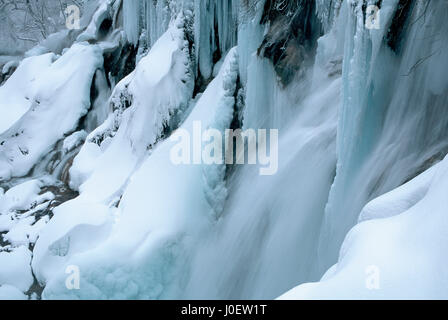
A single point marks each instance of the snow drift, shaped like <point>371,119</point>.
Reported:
<point>89,120</point>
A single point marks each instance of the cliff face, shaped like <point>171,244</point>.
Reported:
<point>355,88</point>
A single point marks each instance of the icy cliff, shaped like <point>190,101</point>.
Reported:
<point>89,121</point>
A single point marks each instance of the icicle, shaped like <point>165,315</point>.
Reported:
<point>227,20</point>
<point>204,38</point>
<point>209,16</point>
<point>327,10</point>
<point>250,35</point>
<point>131,20</point>
<point>157,16</point>
<point>389,79</point>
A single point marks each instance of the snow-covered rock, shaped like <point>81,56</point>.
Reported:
<point>144,104</point>
<point>59,98</point>
<point>15,268</point>
<point>8,292</point>
<point>17,93</point>
<point>93,177</point>
<point>400,253</point>
<point>149,258</point>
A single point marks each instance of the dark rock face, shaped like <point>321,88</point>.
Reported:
<point>292,36</point>
<point>105,29</point>
<point>6,76</point>
<point>399,25</point>
<point>120,62</point>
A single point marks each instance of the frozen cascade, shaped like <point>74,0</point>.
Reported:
<point>390,77</point>
<point>126,137</point>
<point>208,15</point>
<point>265,236</point>
<point>131,20</point>
<point>162,239</point>
<point>414,231</point>
<point>141,73</point>
<point>158,15</point>
<point>210,46</point>
<point>328,10</point>
<point>250,36</point>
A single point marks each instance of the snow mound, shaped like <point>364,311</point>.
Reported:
<point>93,29</point>
<point>400,254</point>
<point>20,197</point>
<point>74,140</point>
<point>17,92</point>
<point>144,105</point>
<point>15,269</point>
<point>60,97</point>
<point>144,266</point>
<point>17,207</point>
<point>8,292</point>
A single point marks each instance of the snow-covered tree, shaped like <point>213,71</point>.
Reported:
<point>23,23</point>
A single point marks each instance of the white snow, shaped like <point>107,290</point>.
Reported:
<point>101,13</point>
<point>142,104</point>
<point>399,199</point>
<point>20,197</point>
<point>25,231</point>
<point>406,251</point>
<point>60,96</point>
<point>17,207</point>
<point>15,269</point>
<point>8,292</point>
<point>163,75</point>
<point>10,64</point>
<point>357,127</point>
<point>389,123</point>
<point>17,93</point>
<point>77,226</point>
<point>74,140</point>
<point>157,231</point>
<point>207,14</point>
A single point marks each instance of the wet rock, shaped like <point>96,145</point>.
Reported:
<point>292,35</point>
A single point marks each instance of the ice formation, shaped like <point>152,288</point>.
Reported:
<point>89,120</point>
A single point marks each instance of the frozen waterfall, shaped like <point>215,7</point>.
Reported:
<point>356,89</point>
